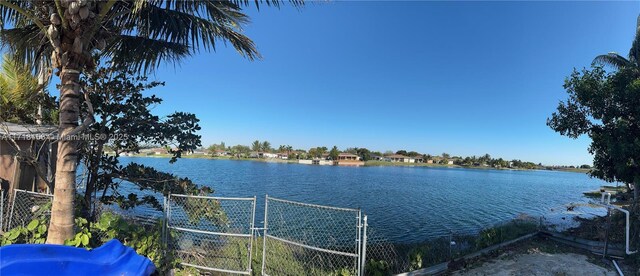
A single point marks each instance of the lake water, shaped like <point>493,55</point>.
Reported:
<point>403,204</point>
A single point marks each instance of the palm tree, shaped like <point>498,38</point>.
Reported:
<point>266,146</point>
<point>256,145</point>
<point>617,61</point>
<point>72,35</point>
<point>19,89</point>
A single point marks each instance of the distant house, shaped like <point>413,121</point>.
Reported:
<point>267,155</point>
<point>27,157</point>
<point>404,159</point>
<point>348,156</point>
<point>397,158</point>
<point>221,153</point>
<point>159,151</point>
<point>348,159</point>
<point>429,161</point>
<point>283,155</point>
<point>198,151</point>
<point>315,162</point>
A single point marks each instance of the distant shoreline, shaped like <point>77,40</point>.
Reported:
<point>370,163</point>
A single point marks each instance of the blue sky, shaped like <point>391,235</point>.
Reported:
<point>466,78</point>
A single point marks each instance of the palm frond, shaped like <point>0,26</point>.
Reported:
<point>188,5</point>
<point>17,82</point>
<point>208,24</point>
<point>612,59</point>
<point>141,53</point>
<point>184,27</point>
<point>19,13</point>
<point>28,45</point>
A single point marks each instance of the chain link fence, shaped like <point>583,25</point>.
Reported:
<point>4,210</point>
<point>211,233</point>
<point>381,256</point>
<point>308,239</point>
<point>25,206</point>
<point>217,236</point>
<point>386,258</point>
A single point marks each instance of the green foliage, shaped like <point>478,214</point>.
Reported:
<point>364,153</point>
<point>212,148</point>
<point>266,146</point>
<point>604,106</point>
<point>83,234</point>
<point>202,25</point>
<point>412,154</point>
<point>415,259</point>
<point>20,95</point>
<point>240,151</point>
<point>186,271</point>
<point>502,233</point>
<point>145,240</point>
<point>334,153</point>
<point>256,145</point>
<point>35,232</point>
<point>287,260</point>
<point>317,152</point>
<point>377,268</point>
<point>440,250</point>
<point>127,124</point>
<point>341,272</point>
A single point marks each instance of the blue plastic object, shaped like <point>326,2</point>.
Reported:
<point>112,258</point>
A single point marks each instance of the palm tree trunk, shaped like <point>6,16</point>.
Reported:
<point>41,80</point>
<point>62,211</point>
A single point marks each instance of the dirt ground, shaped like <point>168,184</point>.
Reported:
<point>540,263</point>
<point>538,257</point>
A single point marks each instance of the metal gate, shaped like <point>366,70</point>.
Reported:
<point>211,233</point>
<point>308,239</point>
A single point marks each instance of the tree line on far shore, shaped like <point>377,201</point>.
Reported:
<point>243,151</point>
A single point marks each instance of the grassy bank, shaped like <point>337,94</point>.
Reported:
<point>576,170</point>
<point>374,163</point>
<point>609,189</point>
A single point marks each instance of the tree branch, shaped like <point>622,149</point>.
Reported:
<point>98,21</point>
<point>65,25</point>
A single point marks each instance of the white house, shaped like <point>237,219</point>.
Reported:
<point>267,155</point>
<point>404,159</point>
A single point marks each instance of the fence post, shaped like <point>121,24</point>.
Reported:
<point>359,242</point>
<point>1,209</point>
<point>264,237</point>
<point>252,232</point>
<point>363,262</point>
<point>164,220</point>
<point>13,205</point>
<point>606,233</point>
